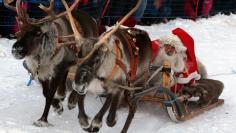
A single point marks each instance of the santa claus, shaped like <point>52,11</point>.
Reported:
<point>178,49</point>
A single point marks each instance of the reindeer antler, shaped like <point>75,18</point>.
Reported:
<point>49,10</point>
<point>23,16</point>
<point>103,38</point>
<point>71,19</point>
<point>6,4</point>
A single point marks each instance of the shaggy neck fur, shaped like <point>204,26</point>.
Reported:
<point>41,64</point>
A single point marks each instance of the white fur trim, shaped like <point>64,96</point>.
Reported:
<point>174,41</point>
<point>191,76</point>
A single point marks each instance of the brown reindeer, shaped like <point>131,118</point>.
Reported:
<point>116,59</point>
<point>40,43</point>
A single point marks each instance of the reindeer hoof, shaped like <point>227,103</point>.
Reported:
<point>59,109</point>
<point>73,100</point>
<point>71,106</point>
<point>111,122</point>
<point>41,123</point>
<point>92,129</point>
<point>84,123</point>
<point>95,126</point>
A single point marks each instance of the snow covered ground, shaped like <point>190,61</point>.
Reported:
<point>215,43</point>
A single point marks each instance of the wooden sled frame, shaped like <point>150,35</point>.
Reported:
<point>177,107</point>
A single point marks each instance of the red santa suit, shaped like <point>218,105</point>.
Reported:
<point>190,73</point>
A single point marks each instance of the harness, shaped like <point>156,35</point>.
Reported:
<point>129,38</point>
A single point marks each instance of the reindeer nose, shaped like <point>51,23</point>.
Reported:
<point>17,51</point>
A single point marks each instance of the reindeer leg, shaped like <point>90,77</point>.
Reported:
<point>72,100</point>
<point>60,96</point>
<point>132,110</point>
<point>83,118</point>
<point>111,118</point>
<point>49,90</point>
<point>42,122</point>
<point>97,121</point>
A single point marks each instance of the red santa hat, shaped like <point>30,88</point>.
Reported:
<point>174,41</point>
<point>191,62</point>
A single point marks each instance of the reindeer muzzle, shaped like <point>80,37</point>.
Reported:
<point>80,89</point>
<point>18,51</point>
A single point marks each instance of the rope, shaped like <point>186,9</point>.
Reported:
<point>170,102</point>
<point>30,80</point>
<point>154,74</point>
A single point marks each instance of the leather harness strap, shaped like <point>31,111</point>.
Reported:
<point>133,53</point>
<point>118,57</point>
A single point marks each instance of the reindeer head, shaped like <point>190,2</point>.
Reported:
<point>35,36</point>
<point>34,39</point>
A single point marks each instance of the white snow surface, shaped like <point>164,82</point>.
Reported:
<point>215,45</point>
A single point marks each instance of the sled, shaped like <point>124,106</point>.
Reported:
<point>178,107</point>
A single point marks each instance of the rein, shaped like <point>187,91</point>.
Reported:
<point>133,50</point>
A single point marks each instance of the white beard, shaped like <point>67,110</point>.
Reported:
<point>176,60</point>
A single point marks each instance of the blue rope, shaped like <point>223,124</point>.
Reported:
<point>30,81</point>
<point>170,102</point>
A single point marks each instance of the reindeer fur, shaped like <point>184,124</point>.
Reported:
<point>37,44</point>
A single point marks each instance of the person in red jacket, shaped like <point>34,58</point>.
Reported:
<point>178,49</point>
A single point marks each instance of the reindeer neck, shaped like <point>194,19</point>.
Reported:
<point>42,67</point>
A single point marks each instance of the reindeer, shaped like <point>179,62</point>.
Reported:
<point>118,58</point>
<point>41,43</point>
